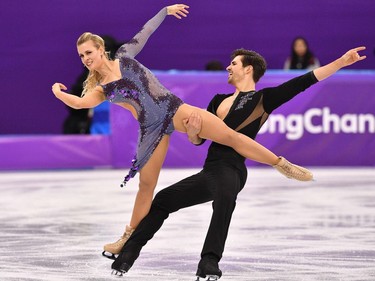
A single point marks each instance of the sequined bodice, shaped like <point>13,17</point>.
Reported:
<point>137,87</point>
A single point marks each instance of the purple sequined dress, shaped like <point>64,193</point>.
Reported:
<point>154,104</point>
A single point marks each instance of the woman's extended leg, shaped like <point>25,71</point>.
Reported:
<point>213,128</point>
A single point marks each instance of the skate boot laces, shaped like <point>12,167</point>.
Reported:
<point>293,171</point>
<point>115,248</point>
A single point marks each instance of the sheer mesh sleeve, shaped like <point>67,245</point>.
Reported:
<point>136,44</point>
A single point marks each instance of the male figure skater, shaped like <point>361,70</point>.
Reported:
<point>224,172</point>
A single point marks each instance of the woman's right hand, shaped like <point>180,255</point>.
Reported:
<point>178,10</point>
<point>57,87</point>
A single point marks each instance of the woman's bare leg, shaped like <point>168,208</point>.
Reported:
<point>215,129</point>
<point>148,177</point>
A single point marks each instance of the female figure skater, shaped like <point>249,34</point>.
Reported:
<point>131,85</point>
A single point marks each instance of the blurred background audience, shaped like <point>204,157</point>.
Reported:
<point>301,57</point>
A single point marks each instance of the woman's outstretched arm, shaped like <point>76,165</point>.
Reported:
<point>89,100</point>
<point>135,45</point>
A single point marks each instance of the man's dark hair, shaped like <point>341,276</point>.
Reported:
<point>254,59</point>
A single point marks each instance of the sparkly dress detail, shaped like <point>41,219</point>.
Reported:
<point>154,104</point>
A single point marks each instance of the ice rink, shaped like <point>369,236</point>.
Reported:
<point>53,226</point>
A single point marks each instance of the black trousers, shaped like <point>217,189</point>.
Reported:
<point>218,182</point>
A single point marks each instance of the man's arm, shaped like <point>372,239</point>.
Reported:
<point>274,97</point>
<point>350,57</point>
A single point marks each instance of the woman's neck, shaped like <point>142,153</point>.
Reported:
<point>106,68</point>
<point>108,71</point>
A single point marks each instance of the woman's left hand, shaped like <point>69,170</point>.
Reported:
<point>178,10</point>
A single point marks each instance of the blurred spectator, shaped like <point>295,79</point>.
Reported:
<point>301,56</point>
<point>214,65</point>
<point>86,121</point>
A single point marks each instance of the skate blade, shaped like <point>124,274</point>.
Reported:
<point>111,257</point>
<point>208,278</point>
<point>116,273</point>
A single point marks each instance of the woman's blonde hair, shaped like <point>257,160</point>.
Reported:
<point>93,77</point>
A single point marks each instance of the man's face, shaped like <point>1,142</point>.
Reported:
<point>236,71</point>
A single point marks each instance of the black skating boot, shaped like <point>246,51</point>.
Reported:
<point>208,268</point>
<point>125,260</point>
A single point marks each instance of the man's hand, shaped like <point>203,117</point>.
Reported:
<point>193,127</point>
<point>348,58</point>
<point>352,56</point>
<point>178,10</point>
